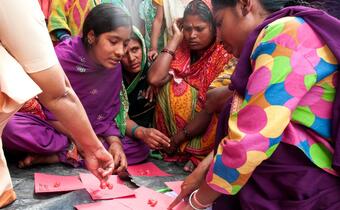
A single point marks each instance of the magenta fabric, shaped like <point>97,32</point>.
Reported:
<point>99,91</point>
<point>28,134</point>
<point>98,88</point>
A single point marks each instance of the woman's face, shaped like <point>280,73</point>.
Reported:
<point>132,59</point>
<point>197,33</point>
<point>108,48</point>
<point>232,29</point>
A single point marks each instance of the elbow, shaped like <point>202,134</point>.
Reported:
<point>153,80</point>
<point>152,77</point>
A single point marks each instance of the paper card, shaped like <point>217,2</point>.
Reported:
<point>92,185</point>
<point>44,183</point>
<point>146,169</point>
<point>102,205</point>
<point>175,186</point>
<point>148,199</point>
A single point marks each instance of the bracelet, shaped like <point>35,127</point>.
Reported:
<point>170,52</point>
<point>115,140</point>
<point>199,203</point>
<point>133,130</point>
<point>190,201</point>
<point>187,134</point>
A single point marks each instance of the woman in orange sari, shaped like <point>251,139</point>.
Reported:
<point>184,70</point>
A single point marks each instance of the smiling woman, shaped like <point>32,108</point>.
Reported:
<point>92,66</point>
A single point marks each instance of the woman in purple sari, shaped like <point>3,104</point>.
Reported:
<point>92,65</point>
<point>278,139</point>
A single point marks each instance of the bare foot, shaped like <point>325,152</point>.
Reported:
<point>37,159</point>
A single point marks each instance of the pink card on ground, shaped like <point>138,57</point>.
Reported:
<point>44,183</point>
<point>175,186</point>
<point>102,205</point>
<point>148,199</point>
<point>146,169</point>
<point>92,185</point>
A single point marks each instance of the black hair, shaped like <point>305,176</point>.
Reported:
<point>200,8</point>
<point>268,5</point>
<point>104,18</point>
<point>136,38</point>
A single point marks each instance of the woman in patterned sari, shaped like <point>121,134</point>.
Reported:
<point>279,137</point>
<point>66,17</point>
<point>184,71</point>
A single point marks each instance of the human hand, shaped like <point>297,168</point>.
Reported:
<point>190,184</point>
<point>119,158</point>
<point>154,138</point>
<point>150,93</point>
<point>152,55</point>
<point>171,151</point>
<point>100,163</point>
<point>177,28</point>
<point>176,140</point>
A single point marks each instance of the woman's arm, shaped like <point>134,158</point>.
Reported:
<point>194,180</point>
<point>38,59</point>
<point>216,98</point>
<point>59,98</point>
<point>150,136</point>
<point>158,73</point>
<point>117,152</point>
<point>156,32</point>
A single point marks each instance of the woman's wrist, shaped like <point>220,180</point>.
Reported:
<point>195,203</point>
<point>205,195</point>
<point>173,44</point>
<point>153,49</point>
<point>92,149</point>
<point>137,132</point>
<point>113,139</point>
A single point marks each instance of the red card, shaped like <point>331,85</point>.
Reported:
<point>103,205</point>
<point>44,183</point>
<point>146,169</point>
<point>148,199</point>
<point>175,186</point>
<point>92,185</point>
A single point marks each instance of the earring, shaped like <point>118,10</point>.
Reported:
<point>244,10</point>
<point>89,43</point>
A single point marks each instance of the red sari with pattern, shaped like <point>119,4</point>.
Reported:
<point>185,94</point>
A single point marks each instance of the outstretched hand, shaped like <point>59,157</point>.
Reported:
<point>193,181</point>
<point>150,93</point>
<point>101,164</point>
<point>155,139</point>
<point>119,158</point>
<point>152,55</point>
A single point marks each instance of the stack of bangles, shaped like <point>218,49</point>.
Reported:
<point>133,130</point>
<point>170,52</point>
<point>198,205</point>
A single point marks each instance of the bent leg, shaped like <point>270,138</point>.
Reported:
<point>30,134</point>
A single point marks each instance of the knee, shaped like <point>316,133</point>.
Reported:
<point>10,129</point>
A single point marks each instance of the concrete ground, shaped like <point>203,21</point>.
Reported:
<point>26,199</point>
